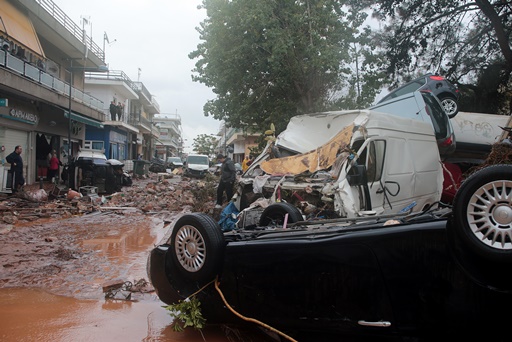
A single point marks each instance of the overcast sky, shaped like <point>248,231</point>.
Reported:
<point>155,36</point>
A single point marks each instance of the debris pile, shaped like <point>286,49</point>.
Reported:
<point>151,195</point>
<point>501,153</point>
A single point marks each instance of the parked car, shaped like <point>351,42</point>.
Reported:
<point>438,272</point>
<point>174,162</point>
<point>447,92</point>
<point>157,165</point>
<point>196,165</point>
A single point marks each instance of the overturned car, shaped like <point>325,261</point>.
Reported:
<point>339,229</point>
<point>435,272</point>
<point>91,168</point>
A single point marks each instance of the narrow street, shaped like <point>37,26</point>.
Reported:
<point>54,271</point>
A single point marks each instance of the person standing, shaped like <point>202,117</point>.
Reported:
<point>113,110</point>
<point>53,169</point>
<point>16,168</point>
<point>120,110</point>
<point>227,179</point>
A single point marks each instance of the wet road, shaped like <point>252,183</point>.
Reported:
<point>67,302</point>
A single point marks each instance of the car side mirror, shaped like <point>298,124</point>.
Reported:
<point>357,175</point>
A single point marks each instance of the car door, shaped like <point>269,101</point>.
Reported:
<point>324,282</point>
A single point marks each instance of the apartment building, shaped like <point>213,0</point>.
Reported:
<point>56,92</point>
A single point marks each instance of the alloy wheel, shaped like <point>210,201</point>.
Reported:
<point>489,214</point>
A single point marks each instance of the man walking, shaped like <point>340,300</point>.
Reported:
<point>16,168</point>
<point>227,179</point>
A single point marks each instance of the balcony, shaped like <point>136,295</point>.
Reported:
<point>113,78</point>
<point>146,99</point>
<point>144,125</point>
<point>52,18</point>
<point>29,71</point>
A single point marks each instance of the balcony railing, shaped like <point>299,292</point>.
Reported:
<point>73,28</point>
<point>149,99</point>
<point>111,75</point>
<point>19,66</point>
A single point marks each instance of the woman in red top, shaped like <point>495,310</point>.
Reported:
<point>53,170</point>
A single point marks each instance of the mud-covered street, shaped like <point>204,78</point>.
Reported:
<point>57,265</point>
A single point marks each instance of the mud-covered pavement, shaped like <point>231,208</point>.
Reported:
<point>55,264</point>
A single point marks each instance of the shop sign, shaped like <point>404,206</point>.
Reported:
<point>4,102</point>
<point>21,115</point>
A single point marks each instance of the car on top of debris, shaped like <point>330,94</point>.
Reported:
<point>437,272</point>
<point>445,91</point>
<point>424,106</point>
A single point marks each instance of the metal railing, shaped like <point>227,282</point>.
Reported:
<point>141,89</point>
<point>19,66</point>
<point>70,25</point>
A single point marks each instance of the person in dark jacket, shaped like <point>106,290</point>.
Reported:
<point>113,110</point>
<point>227,179</point>
<point>16,168</point>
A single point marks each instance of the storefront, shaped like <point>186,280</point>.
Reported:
<point>16,127</point>
<point>113,140</point>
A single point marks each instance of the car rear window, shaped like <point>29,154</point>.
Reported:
<point>406,89</point>
<point>437,115</point>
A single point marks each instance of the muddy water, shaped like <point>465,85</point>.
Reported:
<point>29,314</point>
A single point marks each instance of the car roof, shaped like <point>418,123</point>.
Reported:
<point>409,87</point>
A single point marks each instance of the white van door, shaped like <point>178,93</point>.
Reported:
<point>390,175</point>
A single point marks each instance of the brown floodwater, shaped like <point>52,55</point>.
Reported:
<point>30,314</point>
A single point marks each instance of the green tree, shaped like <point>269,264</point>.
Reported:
<point>205,144</point>
<point>469,42</point>
<point>269,60</point>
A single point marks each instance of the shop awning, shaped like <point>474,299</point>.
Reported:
<point>18,26</point>
<point>83,119</point>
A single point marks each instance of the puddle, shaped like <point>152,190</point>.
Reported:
<point>35,315</point>
<point>52,274</point>
<point>127,251</point>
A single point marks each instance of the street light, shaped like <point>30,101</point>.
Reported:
<point>69,122</point>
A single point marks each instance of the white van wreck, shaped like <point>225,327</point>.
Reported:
<point>342,164</point>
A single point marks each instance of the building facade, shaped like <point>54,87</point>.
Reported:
<point>55,93</point>
<point>170,142</point>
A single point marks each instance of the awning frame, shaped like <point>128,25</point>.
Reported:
<point>83,119</point>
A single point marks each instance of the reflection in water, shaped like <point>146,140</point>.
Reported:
<point>127,249</point>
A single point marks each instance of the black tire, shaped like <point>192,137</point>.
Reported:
<point>274,214</point>
<point>483,213</point>
<point>450,105</point>
<point>196,253</point>
<point>155,268</point>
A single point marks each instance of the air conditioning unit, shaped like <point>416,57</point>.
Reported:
<point>5,44</point>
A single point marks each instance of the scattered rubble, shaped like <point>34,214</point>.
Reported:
<point>151,194</point>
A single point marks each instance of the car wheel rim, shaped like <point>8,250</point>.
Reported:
<point>449,106</point>
<point>190,248</point>
<point>490,214</point>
